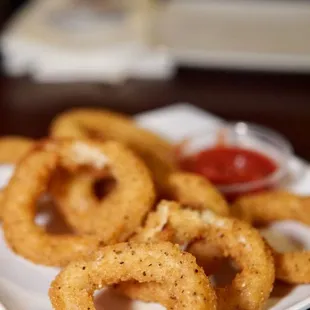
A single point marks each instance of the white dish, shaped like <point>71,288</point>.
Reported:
<point>24,286</point>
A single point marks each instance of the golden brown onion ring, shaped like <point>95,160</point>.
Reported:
<point>2,200</point>
<point>157,153</point>
<point>31,180</point>
<point>186,286</point>
<point>235,238</point>
<point>13,148</point>
<point>265,208</point>
<point>293,267</point>
<point>115,217</point>
<point>195,192</point>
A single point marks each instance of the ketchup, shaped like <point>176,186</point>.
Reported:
<point>226,165</point>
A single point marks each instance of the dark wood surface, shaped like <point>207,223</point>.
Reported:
<point>281,101</point>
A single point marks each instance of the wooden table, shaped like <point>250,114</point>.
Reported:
<point>276,100</point>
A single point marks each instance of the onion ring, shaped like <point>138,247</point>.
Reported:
<point>293,267</point>
<point>115,217</point>
<point>186,286</point>
<point>196,192</point>
<point>264,208</point>
<point>13,148</point>
<point>235,238</point>
<point>101,124</point>
<point>260,209</point>
<point>2,200</point>
<point>31,179</point>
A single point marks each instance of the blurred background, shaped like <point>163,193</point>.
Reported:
<point>238,59</point>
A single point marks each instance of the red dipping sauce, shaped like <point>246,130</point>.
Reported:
<point>228,165</point>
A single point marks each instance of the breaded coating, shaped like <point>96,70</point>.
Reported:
<point>265,208</point>
<point>157,153</point>
<point>195,192</point>
<point>235,239</point>
<point>186,286</point>
<point>31,180</point>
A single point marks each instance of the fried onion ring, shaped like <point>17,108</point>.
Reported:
<point>235,238</point>
<point>265,208</point>
<point>13,148</point>
<point>101,124</point>
<point>293,267</point>
<point>186,286</point>
<point>2,200</point>
<point>115,217</point>
<point>31,180</point>
<point>195,192</point>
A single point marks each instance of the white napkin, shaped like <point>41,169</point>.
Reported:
<point>36,43</point>
<point>131,62</point>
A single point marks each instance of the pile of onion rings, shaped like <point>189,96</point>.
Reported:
<point>265,208</point>
<point>89,146</point>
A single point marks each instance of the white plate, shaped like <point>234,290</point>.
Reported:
<point>24,286</point>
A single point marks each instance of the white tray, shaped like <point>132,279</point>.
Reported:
<point>24,286</point>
